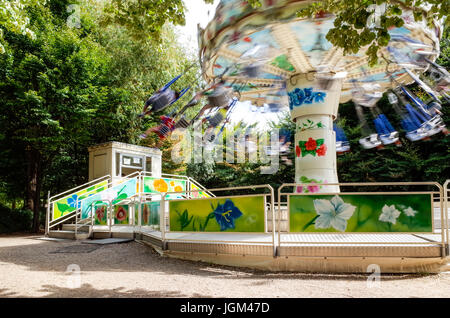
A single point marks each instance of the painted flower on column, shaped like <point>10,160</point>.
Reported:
<point>313,188</point>
<point>299,97</point>
<point>322,150</point>
<point>319,97</point>
<point>311,144</point>
<point>314,147</point>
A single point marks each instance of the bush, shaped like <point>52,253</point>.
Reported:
<point>15,220</point>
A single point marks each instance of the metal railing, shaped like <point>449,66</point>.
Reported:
<point>74,214</point>
<point>52,199</point>
<point>441,193</point>
<point>446,207</point>
<point>140,175</point>
<point>444,224</point>
<point>272,211</point>
<point>199,186</point>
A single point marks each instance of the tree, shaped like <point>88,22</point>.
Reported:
<point>14,18</point>
<point>69,88</point>
<point>144,19</point>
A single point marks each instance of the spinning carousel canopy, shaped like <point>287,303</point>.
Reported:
<point>267,46</point>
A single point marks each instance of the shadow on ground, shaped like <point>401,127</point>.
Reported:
<point>88,291</point>
<point>38,255</point>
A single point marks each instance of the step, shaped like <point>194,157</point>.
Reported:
<point>68,235</point>
<point>71,227</point>
<point>103,235</point>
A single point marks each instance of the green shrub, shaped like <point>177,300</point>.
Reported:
<point>14,220</point>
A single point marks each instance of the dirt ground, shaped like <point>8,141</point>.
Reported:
<point>30,267</point>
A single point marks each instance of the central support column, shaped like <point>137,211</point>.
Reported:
<point>314,102</point>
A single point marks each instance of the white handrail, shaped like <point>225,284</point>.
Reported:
<point>197,184</point>
<point>51,199</point>
<point>109,184</point>
<point>50,223</point>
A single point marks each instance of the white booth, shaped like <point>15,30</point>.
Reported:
<point>119,159</point>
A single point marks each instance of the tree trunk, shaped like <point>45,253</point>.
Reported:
<point>34,186</point>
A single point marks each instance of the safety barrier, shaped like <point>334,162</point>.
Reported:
<point>359,215</point>
<point>402,216</point>
<point>75,204</point>
<point>228,215</point>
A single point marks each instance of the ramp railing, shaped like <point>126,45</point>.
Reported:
<point>67,205</point>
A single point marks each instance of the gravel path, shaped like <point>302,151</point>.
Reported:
<point>30,267</point>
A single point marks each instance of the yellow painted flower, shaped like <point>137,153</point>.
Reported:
<point>160,185</point>
<point>172,183</point>
<point>178,188</point>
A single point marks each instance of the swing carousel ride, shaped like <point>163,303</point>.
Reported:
<point>269,56</point>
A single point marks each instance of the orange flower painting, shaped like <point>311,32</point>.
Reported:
<point>160,185</point>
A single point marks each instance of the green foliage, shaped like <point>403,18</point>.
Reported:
<point>14,220</point>
<point>14,17</point>
<point>184,219</point>
<point>144,18</point>
<point>68,88</point>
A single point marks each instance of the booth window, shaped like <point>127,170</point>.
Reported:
<point>128,163</point>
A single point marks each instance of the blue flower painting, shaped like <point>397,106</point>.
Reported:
<point>72,201</point>
<point>218,215</point>
<point>226,214</point>
<point>305,96</point>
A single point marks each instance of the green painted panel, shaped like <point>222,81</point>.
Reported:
<point>67,204</point>
<point>233,214</point>
<point>121,215</point>
<point>101,214</point>
<point>117,193</point>
<point>366,213</point>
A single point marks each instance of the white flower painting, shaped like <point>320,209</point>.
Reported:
<point>333,213</point>
<point>410,211</point>
<point>389,214</point>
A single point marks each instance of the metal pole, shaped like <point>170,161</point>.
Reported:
<point>188,187</point>
<point>279,216</point>
<point>76,218</point>
<point>162,220</point>
<point>272,209</point>
<point>110,216</point>
<point>47,217</point>
<point>140,213</point>
<point>91,229</point>
<point>445,227</point>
